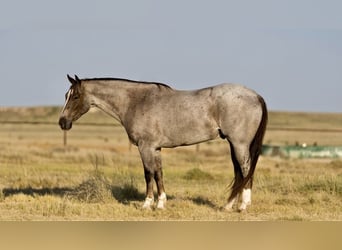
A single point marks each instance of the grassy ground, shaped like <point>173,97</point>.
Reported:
<point>99,177</point>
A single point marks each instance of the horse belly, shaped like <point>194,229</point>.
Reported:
<point>187,130</point>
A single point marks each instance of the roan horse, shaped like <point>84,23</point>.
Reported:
<point>156,116</point>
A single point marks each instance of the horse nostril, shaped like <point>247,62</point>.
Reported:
<point>64,123</point>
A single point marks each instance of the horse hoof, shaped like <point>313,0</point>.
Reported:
<point>146,207</point>
<point>161,201</point>
<point>161,204</point>
<point>242,208</point>
<point>148,203</point>
<point>242,211</point>
<point>228,208</point>
<point>161,207</point>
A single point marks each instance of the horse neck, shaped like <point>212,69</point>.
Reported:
<point>111,98</point>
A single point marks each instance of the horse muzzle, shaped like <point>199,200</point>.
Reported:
<point>64,123</point>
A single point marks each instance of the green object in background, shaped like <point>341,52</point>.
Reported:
<point>302,151</point>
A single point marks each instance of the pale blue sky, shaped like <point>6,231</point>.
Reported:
<point>288,51</point>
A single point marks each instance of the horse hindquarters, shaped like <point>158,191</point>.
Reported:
<point>245,154</point>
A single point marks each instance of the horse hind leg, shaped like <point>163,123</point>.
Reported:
<point>246,193</point>
<point>242,184</point>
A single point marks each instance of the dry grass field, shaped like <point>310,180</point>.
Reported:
<point>97,176</point>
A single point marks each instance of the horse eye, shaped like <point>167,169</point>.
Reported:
<point>76,97</point>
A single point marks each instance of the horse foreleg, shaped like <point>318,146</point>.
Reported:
<point>160,185</point>
<point>151,158</point>
<point>149,200</point>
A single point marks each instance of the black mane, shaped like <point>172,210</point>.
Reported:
<point>126,80</point>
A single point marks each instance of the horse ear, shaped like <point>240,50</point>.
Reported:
<point>77,79</point>
<point>71,80</point>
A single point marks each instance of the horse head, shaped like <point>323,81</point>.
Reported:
<point>75,104</point>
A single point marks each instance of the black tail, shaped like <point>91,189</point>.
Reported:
<point>254,149</point>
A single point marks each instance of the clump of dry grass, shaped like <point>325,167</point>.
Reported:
<point>95,189</point>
